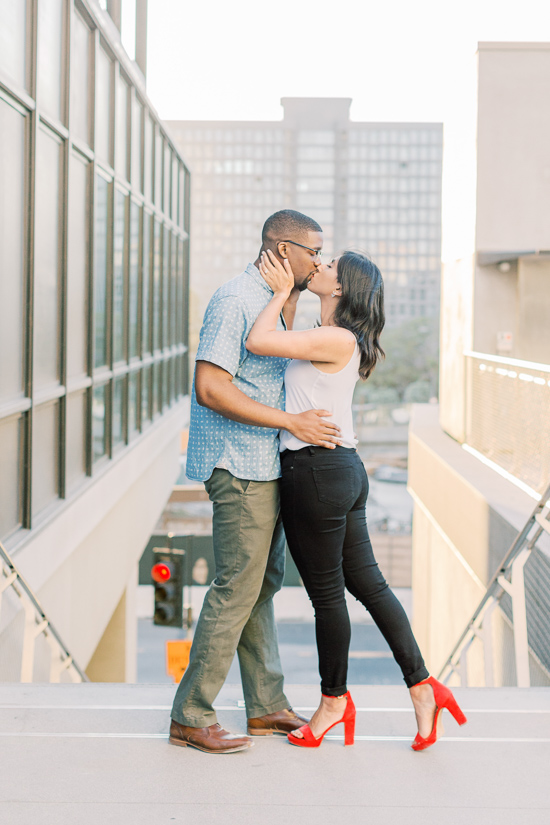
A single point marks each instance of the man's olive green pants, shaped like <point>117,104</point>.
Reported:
<point>237,614</point>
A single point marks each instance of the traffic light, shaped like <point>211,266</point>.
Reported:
<point>168,579</point>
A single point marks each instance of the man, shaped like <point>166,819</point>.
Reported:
<point>237,408</point>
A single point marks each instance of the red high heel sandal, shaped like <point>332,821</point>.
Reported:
<point>443,699</point>
<point>310,741</point>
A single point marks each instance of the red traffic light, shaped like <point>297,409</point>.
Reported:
<point>161,572</point>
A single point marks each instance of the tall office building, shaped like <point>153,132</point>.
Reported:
<point>94,210</point>
<point>375,187</point>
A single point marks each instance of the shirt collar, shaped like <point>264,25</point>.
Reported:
<point>255,274</point>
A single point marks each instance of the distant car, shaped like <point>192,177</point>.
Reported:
<point>387,473</point>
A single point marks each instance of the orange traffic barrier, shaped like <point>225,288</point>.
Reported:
<point>177,657</point>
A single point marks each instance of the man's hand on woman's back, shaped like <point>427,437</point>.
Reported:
<point>313,428</point>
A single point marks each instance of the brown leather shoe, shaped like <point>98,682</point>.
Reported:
<point>213,739</point>
<point>284,721</point>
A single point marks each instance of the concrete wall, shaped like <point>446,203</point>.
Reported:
<point>82,564</point>
<point>456,331</point>
<point>495,307</point>
<point>465,519</point>
<point>533,318</point>
<point>513,136</point>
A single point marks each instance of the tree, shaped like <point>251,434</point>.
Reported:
<point>412,355</point>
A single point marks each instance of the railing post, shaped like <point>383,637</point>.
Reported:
<point>486,636</point>
<point>29,638</point>
<point>520,619</point>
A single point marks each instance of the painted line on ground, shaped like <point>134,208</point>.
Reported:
<point>241,710</point>
<point>94,735</point>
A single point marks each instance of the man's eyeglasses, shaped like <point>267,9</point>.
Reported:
<point>316,252</point>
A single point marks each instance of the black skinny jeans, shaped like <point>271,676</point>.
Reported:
<point>323,497</point>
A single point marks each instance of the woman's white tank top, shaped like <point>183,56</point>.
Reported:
<point>307,388</point>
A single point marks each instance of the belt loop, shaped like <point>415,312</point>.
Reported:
<point>311,450</point>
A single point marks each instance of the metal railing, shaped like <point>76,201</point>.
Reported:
<point>521,588</point>
<point>53,662</point>
<point>508,415</point>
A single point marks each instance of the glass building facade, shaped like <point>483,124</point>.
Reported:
<point>94,228</point>
<point>375,187</point>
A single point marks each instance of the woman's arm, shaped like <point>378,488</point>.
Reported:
<point>289,309</point>
<point>326,344</point>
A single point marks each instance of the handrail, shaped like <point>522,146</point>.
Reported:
<point>36,623</point>
<point>513,362</point>
<point>508,579</point>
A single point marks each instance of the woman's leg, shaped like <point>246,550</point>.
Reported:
<point>365,581</point>
<point>315,535</point>
<point>315,531</point>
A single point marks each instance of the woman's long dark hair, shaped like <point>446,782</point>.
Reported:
<point>361,307</point>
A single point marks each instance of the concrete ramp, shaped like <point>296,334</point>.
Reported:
<point>98,753</point>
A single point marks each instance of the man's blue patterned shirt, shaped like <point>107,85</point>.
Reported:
<point>248,452</point>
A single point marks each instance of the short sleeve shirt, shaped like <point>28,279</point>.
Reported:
<point>247,451</point>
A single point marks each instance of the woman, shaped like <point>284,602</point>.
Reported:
<point>324,492</point>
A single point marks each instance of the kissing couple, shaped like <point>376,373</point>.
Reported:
<point>271,436</point>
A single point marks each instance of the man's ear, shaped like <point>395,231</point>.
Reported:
<point>281,249</point>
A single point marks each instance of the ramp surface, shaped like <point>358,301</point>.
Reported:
<point>95,753</point>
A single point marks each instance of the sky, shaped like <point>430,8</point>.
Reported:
<point>398,60</point>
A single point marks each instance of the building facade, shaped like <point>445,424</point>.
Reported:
<point>374,187</point>
<point>94,217</point>
<point>478,468</point>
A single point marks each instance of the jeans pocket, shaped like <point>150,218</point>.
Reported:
<point>335,485</point>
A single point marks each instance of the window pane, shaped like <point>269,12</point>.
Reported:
<point>148,160</point>
<point>167,177</point>
<point>118,278</point>
<point>178,384</point>
<point>157,388</point>
<point>133,284</point>
<point>157,343</point>
<point>100,271</point>
<point>145,395</point>
<point>134,402</point>
<point>181,198</point>
<point>174,206</point>
<point>119,410</point>
<point>136,143</point>
<point>146,303</point>
<point>76,438</point>
<point>173,290</point>
<point>166,383</point>
<point>171,386</point>
<point>50,51</point>
<point>12,39</point>
<point>178,299</point>
<point>99,416</point>
<point>186,214</point>
<point>184,291</point>
<point>158,168</point>
<point>77,267</point>
<point>121,126</point>
<point>12,205</point>
<point>46,267</point>
<point>45,449</point>
<point>11,477</point>
<point>80,78</point>
<point>165,323</point>
<point>104,70</point>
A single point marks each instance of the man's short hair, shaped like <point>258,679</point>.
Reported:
<point>288,224</point>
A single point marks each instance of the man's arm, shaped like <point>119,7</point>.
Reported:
<point>215,389</point>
